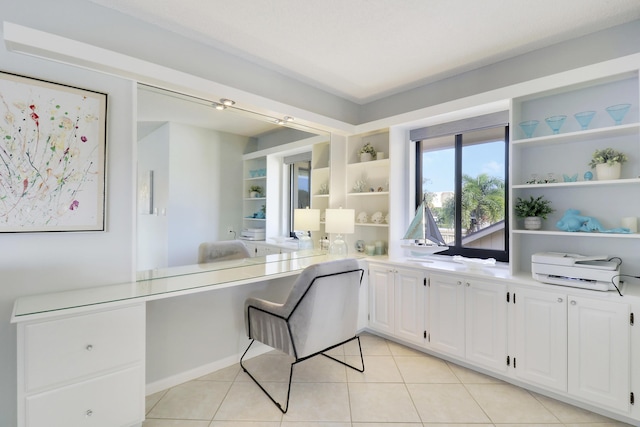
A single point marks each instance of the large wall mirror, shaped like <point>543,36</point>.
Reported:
<point>190,172</point>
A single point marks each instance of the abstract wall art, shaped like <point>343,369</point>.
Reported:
<point>52,156</point>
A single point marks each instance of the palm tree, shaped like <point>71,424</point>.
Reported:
<point>483,201</point>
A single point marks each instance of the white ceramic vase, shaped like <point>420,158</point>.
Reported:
<point>366,157</point>
<point>605,171</point>
<point>533,223</point>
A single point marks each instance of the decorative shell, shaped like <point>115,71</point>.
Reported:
<point>363,217</point>
<point>377,218</point>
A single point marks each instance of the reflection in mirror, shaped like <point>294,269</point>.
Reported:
<point>190,173</point>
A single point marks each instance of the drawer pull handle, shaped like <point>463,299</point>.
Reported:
<point>88,413</point>
<point>459,282</point>
<point>559,299</point>
<point>468,284</point>
<point>573,302</point>
<point>89,347</point>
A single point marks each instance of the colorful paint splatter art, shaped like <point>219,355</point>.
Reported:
<point>52,151</point>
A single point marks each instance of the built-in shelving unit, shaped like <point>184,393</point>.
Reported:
<point>561,157</point>
<point>320,184</point>
<point>367,188</point>
<point>255,174</point>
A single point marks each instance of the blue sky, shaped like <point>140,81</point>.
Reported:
<point>438,165</point>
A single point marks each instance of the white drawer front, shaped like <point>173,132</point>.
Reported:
<point>70,348</point>
<point>114,400</point>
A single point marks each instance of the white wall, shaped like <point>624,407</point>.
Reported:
<point>32,263</point>
<point>152,236</point>
<point>205,189</point>
<point>197,191</point>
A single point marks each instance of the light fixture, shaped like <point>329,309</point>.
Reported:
<point>288,119</point>
<point>279,122</point>
<point>218,106</point>
<point>306,220</point>
<point>340,221</point>
<point>227,102</point>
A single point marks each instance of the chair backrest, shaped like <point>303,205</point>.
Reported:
<point>323,306</point>
<point>222,251</point>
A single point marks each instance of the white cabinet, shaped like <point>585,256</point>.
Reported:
<point>83,369</point>
<point>539,337</point>
<point>468,319</point>
<point>410,293</point>
<point>381,298</point>
<point>573,344</point>
<point>446,314</point>
<point>599,351</point>
<point>397,301</point>
<point>486,324</point>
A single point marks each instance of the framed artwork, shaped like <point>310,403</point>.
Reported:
<point>52,156</point>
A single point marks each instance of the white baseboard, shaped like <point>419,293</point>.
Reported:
<point>182,377</point>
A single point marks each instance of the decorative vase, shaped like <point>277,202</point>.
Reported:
<point>366,157</point>
<point>605,171</point>
<point>254,194</point>
<point>533,223</point>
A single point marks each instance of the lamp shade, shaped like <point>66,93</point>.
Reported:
<point>341,221</point>
<point>306,219</point>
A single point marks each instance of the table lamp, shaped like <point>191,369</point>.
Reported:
<point>340,221</point>
<point>306,220</point>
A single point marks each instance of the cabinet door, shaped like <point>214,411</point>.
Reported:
<point>486,324</point>
<point>409,307</point>
<point>446,315</point>
<point>540,336</point>
<point>599,351</point>
<point>381,298</point>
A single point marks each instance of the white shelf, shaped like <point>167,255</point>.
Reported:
<point>630,181</point>
<point>251,199</point>
<point>255,219</point>
<point>371,163</point>
<point>369,194</point>
<point>580,136</point>
<point>320,195</point>
<point>578,234</point>
<point>370,224</point>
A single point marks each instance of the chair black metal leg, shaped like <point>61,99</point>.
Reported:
<point>346,364</point>
<point>286,407</point>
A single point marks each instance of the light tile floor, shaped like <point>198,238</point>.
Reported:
<point>400,387</point>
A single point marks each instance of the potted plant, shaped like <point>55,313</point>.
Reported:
<point>367,152</point>
<point>607,163</point>
<point>255,191</point>
<point>533,210</point>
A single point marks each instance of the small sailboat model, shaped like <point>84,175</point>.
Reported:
<point>425,233</point>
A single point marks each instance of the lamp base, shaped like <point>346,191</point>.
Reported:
<point>338,247</point>
<point>305,242</point>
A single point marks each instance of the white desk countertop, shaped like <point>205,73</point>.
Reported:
<point>169,282</point>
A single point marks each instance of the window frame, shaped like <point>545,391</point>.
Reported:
<point>457,248</point>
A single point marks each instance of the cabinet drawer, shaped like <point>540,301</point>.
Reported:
<point>114,400</point>
<point>70,348</point>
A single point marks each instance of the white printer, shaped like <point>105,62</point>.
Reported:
<point>252,234</point>
<point>578,271</point>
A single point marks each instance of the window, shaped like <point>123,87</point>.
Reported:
<point>299,188</point>
<point>463,177</point>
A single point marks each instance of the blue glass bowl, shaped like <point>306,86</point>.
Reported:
<point>617,112</point>
<point>529,127</point>
<point>555,123</point>
<point>584,118</point>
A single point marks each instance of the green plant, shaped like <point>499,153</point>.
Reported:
<point>533,207</point>
<point>256,188</point>
<point>368,148</point>
<point>608,156</point>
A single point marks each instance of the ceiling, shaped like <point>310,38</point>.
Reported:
<point>364,50</point>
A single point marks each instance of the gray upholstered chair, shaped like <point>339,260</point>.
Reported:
<point>320,313</point>
<point>222,251</point>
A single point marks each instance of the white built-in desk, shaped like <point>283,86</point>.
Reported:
<point>81,353</point>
